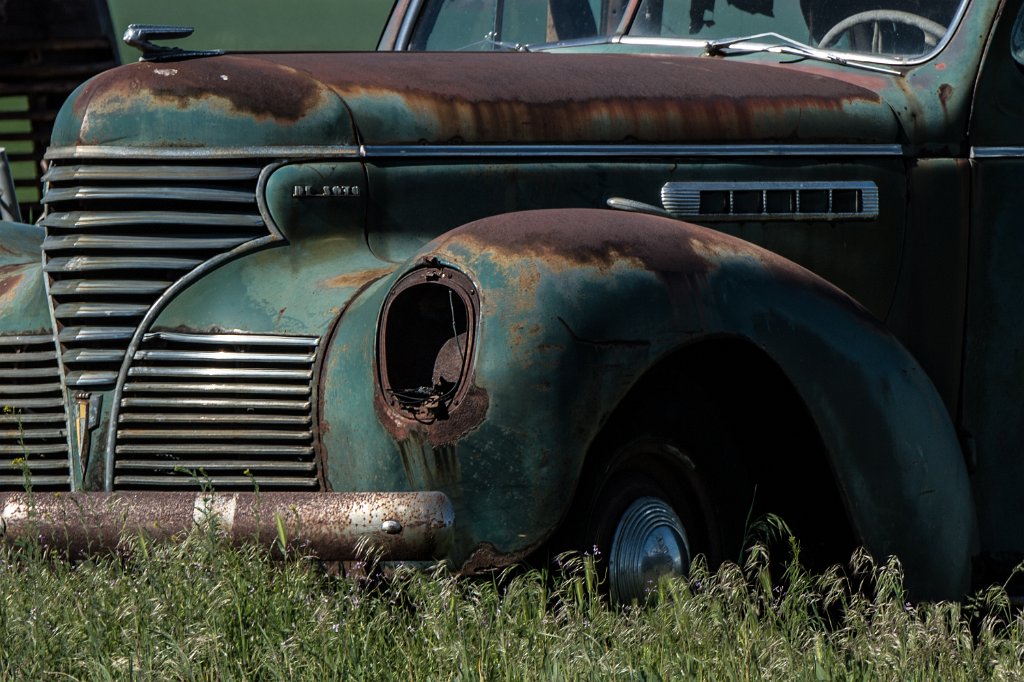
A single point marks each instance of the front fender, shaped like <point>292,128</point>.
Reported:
<point>576,305</point>
<point>22,288</point>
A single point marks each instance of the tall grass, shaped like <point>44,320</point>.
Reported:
<point>202,610</point>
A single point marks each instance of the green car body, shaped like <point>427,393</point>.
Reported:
<point>404,272</point>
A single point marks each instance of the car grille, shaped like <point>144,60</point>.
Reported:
<point>227,411</point>
<point>119,233</point>
<point>33,432</point>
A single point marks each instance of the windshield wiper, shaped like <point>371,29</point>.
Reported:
<point>497,45</point>
<point>725,47</point>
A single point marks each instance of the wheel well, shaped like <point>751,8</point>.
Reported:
<point>777,462</point>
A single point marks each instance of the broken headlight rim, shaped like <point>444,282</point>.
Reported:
<point>425,342</point>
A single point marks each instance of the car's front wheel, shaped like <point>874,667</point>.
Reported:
<point>651,514</point>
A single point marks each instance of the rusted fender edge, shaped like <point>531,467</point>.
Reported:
<point>331,526</point>
<point>578,304</point>
<point>23,306</point>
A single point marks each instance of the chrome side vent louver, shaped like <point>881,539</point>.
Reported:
<point>33,431</point>
<point>735,201</point>
<point>231,411</point>
<point>120,233</point>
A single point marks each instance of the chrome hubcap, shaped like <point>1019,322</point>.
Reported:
<point>649,542</point>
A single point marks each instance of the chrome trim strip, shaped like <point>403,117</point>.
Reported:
<point>215,434</point>
<point>214,465</point>
<point>200,388</point>
<point>260,404</point>
<point>486,150</point>
<point>34,373</point>
<point>274,236</point>
<point>93,263</point>
<point>71,334</point>
<point>107,286</point>
<point>28,390</point>
<point>222,372</point>
<point>73,355</point>
<point>83,219</point>
<point>35,433</point>
<point>25,389</point>
<point>92,241</point>
<point>25,339</point>
<point>64,311</point>
<point>149,173</point>
<point>225,356</point>
<point>90,378</point>
<point>221,448</point>
<point>38,480</point>
<point>38,449</point>
<point>31,356</point>
<point>247,339</point>
<point>1004,152</point>
<point>202,153</point>
<point>627,151</point>
<point>222,481</point>
<point>34,402</point>
<point>33,464</point>
<point>214,418</point>
<point>183,193</point>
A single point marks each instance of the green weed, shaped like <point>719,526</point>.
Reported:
<point>201,610</point>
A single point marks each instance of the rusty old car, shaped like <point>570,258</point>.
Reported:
<point>539,275</point>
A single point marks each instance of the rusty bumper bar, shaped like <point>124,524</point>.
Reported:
<point>332,526</point>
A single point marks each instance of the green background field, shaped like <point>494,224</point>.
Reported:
<point>251,25</point>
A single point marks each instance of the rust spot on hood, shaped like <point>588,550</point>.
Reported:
<point>536,97</point>
<point>250,86</point>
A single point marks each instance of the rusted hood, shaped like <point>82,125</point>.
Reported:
<point>469,98</point>
<point>228,101</point>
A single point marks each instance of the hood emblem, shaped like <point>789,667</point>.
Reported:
<point>325,191</point>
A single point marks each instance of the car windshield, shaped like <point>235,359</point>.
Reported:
<point>506,24</point>
<point>879,28</point>
<point>897,29</point>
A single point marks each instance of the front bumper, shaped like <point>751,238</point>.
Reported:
<point>331,526</point>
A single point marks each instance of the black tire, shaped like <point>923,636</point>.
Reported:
<point>653,498</point>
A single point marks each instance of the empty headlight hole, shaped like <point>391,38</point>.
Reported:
<point>426,341</point>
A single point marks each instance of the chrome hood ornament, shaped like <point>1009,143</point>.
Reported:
<point>140,36</point>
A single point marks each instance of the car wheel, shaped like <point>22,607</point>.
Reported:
<point>651,516</point>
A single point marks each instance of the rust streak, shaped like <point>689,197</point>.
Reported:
<point>461,419</point>
<point>358,278</point>
<point>249,86</point>
<point>546,98</point>
<point>486,557</point>
<point>11,277</point>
